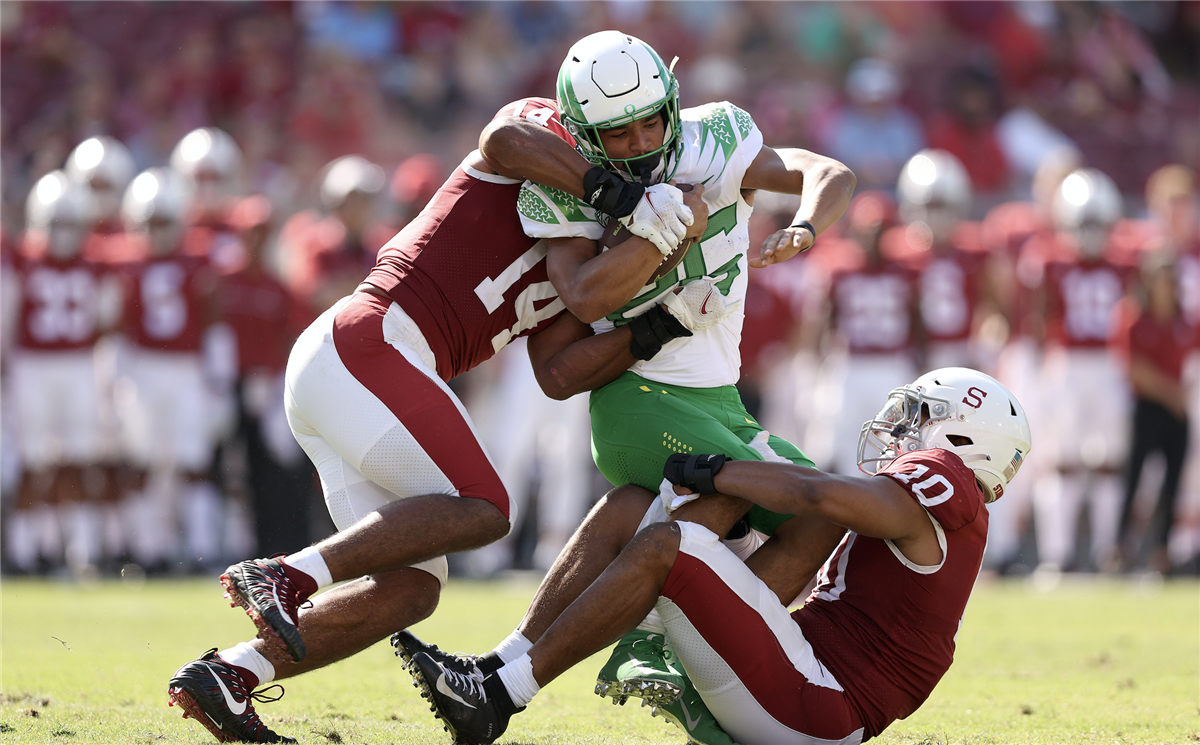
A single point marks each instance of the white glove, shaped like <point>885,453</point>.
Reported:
<point>660,217</point>
<point>670,500</point>
<point>699,305</point>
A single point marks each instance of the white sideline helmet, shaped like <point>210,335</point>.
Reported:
<point>154,204</point>
<point>349,174</point>
<point>933,177</point>
<point>957,409</point>
<point>59,209</point>
<point>104,166</point>
<point>1086,195</point>
<point>207,152</point>
<point>1087,204</point>
<point>608,80</point>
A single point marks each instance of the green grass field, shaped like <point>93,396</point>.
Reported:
<point>1093,662</point>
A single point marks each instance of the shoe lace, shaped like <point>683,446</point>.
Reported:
<point>471,683</point>
<point>267,695</point>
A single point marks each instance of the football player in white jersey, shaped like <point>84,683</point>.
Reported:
<point>621,102</point>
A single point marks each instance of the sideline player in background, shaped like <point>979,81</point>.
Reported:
<point>367,399</point>
<point>872,640</point>
<point>55,307</point>
<point>1087,398</point>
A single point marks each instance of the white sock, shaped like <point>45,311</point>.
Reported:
<point>518,680</point>
<point>653,623</point>
<point>244,655</point>
<point>513,646</point>
<point>310,562</point>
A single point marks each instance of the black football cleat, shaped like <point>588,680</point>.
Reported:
<point>262,587</point>
<point>407,645</point>
<point>474,708</point>
<point>212,693</point>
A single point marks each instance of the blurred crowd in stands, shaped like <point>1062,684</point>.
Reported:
<point>186,185</point>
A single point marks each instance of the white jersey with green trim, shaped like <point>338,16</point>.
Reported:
<point>720,141</point>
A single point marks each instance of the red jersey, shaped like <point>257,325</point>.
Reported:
<point>264,316</point>
<point>885,628</point>
<point>465,271</point>
<point>1166,345</point>
<point>1082,298</point>
<point>166,302</point>
<point>872,308</point>
<point>59,303</point>
<point>950,289</point>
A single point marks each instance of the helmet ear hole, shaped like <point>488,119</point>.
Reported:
<point>959,440</point>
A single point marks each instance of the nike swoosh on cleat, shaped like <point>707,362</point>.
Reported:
<point>237,707</point>
<point>704,305</point>
<point>446,691</point>
<point>687,715</point>
<point>639,667</point>
<point>282,612</point>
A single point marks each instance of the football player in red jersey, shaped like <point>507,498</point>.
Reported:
<point>58,302</point>
<point>872,640</point>
<point>935,195</point>
<point>367,398</point>
<point>1087,397</point>
<point>168,423</point>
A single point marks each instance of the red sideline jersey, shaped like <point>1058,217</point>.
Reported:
<point>166,305</point>
<point>264,315</point>
<point>471,279</point>
<point>872,308</point>
<point>59,302</point>
<point>884,627</point>
<point>1082,297</point>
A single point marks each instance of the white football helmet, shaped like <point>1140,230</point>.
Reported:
<point>104,166</point>
<point>957,409</point>
<point>207,151</point>
<point>1087,204</point>
<point>59,210</point>
<point>154,204</point>
<point>610,79</point>
<point>349,174</point>
<point>933,179</point>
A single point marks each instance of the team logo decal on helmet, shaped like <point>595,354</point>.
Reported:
<point>610,79</point>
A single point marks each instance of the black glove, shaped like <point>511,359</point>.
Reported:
<point>651,330</point>
<point>610,193</point>
<point>695,472</point>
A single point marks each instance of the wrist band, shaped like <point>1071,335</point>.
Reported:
<point>806,225</point>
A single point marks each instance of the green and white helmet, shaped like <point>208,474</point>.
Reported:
<point>610,79</point>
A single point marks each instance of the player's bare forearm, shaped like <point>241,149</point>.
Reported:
<point>876,507</point>
<point>824,185</point>
<point>592,283</point>
<point>518,148</point>
<point>568,358</point>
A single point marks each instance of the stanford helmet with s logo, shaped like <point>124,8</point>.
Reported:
<point>957,409</point>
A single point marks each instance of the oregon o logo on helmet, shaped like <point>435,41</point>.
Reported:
<point>974,397</point>
<point>629,108</point>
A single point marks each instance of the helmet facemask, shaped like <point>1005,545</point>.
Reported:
<point>653,167</point>
<point>899,427</point>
